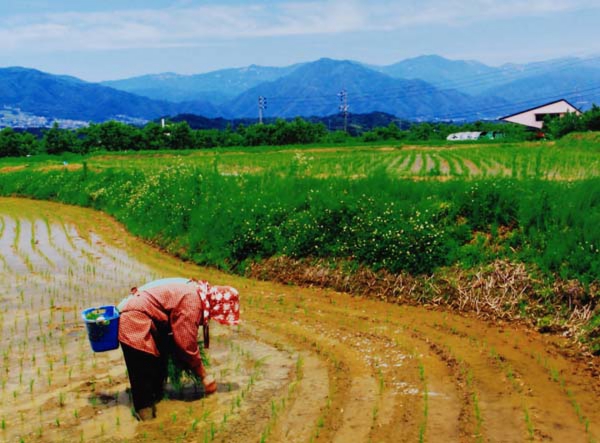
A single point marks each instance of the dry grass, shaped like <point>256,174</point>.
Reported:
<point>502,290</point>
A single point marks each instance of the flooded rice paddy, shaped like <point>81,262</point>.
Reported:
<point>306,364</point>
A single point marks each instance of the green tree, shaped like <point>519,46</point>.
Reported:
<point>117,136</point>
<point>558,127</point>
<point>57,141</point>
<point>591,119</point>
<point>10,145</point>
<point>30,144</point>
<point>207,138</point>
<point>154,136</point>
<point>421,131</point>
<point>179,136</point>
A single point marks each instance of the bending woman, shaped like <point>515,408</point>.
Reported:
<point>166,314</point>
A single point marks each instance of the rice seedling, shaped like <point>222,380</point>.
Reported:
<point>478,417</point>
<point>529,424</point>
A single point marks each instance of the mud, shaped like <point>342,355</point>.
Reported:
<point>306,364</point>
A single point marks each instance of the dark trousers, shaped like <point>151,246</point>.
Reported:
<point>147,375</point>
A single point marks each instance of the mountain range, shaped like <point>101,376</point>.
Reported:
<point>425,88</point>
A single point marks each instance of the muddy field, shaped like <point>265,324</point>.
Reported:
<point>305,364</point>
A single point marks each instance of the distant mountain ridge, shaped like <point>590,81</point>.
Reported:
<point>68,97</point>
<point>313,88</point>
<point>419,89</point>
<point>441,72</point>
<point>217,86</point>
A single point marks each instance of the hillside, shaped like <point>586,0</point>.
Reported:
<point>216,87</point>
<point>578,85</point>
<point>466,76</point>
<point>55,96</point>
<point>313,89</point>
<point>538,81</point>
<point>427,88</point>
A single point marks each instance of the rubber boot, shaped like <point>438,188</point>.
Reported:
<point>146,414</point>
<point>210,385</point>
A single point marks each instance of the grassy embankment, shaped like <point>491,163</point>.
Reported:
<point>507,230</point>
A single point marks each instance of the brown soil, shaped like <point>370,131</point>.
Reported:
<point>6,169</point>
<point>417,165</point>
<point>307,364</point>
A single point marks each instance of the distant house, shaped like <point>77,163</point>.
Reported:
<point>534,118</point>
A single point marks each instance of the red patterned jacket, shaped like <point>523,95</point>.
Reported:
<point>180,307</point>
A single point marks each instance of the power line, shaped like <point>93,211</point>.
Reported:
<point>499,108</point>
<point>419,87</point>
<point>422,89</point>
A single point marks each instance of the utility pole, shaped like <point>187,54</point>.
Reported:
<point>262,105</point>
<point>343,95</point>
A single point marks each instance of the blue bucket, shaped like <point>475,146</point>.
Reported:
<point>102,325</point>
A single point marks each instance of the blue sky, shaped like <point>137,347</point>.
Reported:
<point>112,39</point>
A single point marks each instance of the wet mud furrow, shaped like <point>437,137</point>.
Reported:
<point>329,421</point>
<point>497,390</point>
<point>400,412</point>
<point>397,403</point>
<point>526,371</point>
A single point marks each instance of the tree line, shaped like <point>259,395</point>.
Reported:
<point>571,122</point>
<point>117,136</point>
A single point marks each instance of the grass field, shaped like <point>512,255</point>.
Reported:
<point>546,160</point>
<point>305,364</point>
<point>419,210</point>
<point>501,230</point>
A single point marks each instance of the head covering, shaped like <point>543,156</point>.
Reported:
<point>220,303</point>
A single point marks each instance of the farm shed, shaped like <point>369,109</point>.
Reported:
<point>534,118</point>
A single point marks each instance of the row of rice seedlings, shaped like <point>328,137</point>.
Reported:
<point>277,406</point>
<point>8,245</point>
<point>57,239</point>
<point>213,427</point>
<point>418,166</point>
<point>443,165</point>
<point>294,309</point>
<point>425,390</point>
<point>557,377</point>
<point>544,162</point>
<point>505,367</point>
<point>466,374</point>
<point>431,165</point>
<point>398,164</point>
<point>450,166</point>
<point>52,326</point>
<point>407,165</point>
<point>458,165</point>
<point>36,231</point>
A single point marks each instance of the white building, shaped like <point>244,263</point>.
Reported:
<point>534,117</point>
<point>474,135</point>
<point>459,136</point>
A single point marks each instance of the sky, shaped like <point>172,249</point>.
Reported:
<point>115,39</point>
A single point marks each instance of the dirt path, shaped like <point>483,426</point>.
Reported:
<point>306,364</point>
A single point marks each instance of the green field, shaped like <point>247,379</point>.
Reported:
<point>567,159</point>
<point>419,210</point>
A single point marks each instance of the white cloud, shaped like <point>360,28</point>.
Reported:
<point>188,26</point>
